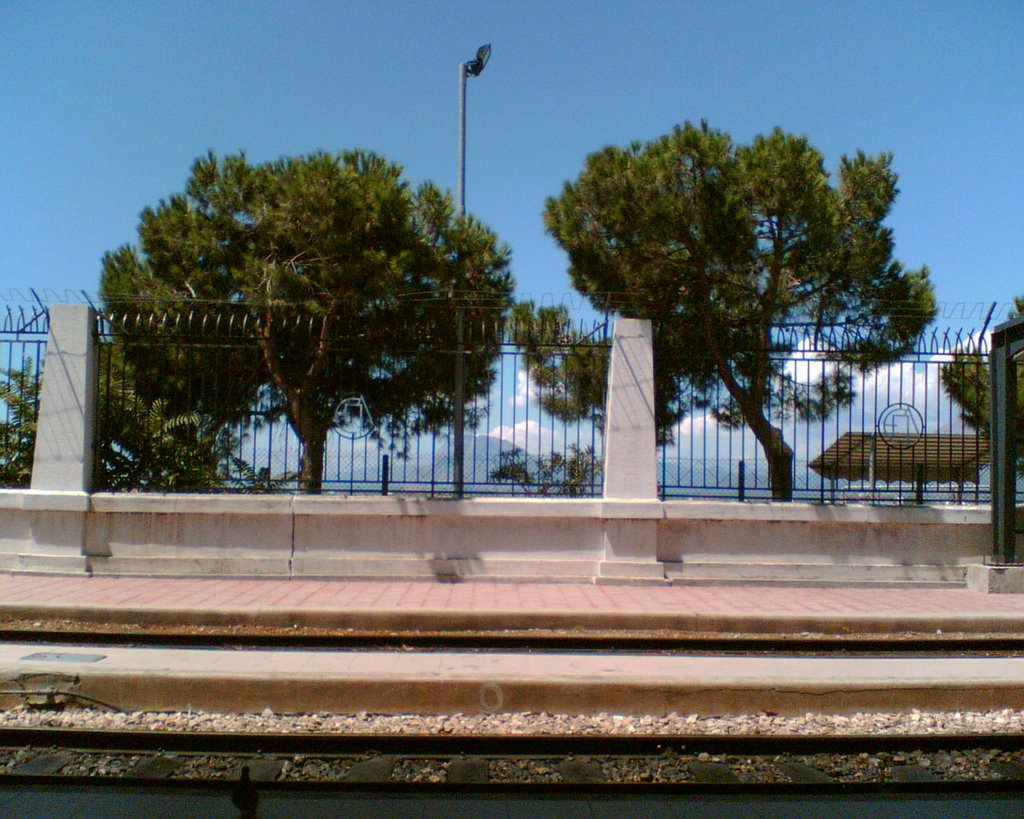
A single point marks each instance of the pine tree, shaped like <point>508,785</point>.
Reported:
<point>721,245</point>
<point>347,278</point>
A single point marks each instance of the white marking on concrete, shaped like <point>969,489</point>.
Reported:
<point>498,666</point>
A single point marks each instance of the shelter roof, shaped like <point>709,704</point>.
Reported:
<point>895,457</point>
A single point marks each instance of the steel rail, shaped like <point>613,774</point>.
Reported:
<point>516,641</point>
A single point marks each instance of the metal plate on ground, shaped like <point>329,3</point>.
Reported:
<point>64,657</point>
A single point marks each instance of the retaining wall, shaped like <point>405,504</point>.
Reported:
<point>486,538</point>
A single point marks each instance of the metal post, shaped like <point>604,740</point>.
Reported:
<point>459,425</point>
<point>458,401</point>
<point>741,481</point>
<point>1006,342</point>
<point>462,139</point>
<point>466,69</point>
<point>385,474</point>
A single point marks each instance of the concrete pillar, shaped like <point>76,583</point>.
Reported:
<point>63,460</point>
<point>631,508</point>
<point>630,461</point>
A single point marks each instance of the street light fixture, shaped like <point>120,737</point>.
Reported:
<point>470,68</point>
<point>476,65</point>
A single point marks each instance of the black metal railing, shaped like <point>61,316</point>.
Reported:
<point>187,404</point>
<point>163,426</point>
<point>902,439</point>
<point>23,332</point>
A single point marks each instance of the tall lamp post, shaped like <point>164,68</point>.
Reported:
<point>471,68</point>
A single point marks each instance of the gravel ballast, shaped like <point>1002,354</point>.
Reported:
<point>913,722</point>
<point>678,763</point>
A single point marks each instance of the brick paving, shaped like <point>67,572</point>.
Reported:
<point>710,605</point>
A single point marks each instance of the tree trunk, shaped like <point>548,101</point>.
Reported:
<point>779,455</point>
<point>780,470</point>
<point>313,436</point>
<point>751,404</point>
<point>311,470</point>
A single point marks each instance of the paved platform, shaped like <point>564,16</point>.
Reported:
<point>430,605</point>
<point>453,682</point>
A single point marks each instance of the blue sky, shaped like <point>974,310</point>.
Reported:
<point>106,105</point>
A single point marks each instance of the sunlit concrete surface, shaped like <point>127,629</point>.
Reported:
<point>506,539</point>
<point>166,679</point>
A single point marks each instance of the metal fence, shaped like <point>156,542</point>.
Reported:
<point>902,439</point>
<point>159,375</point>
<point>23,333</point>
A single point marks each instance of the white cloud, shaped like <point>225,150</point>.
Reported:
<point>529,435</point>
<point>696,425</point>
<point>527,393</point>
<point>807,366</point>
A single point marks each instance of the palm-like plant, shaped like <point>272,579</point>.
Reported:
<point>19,396</point>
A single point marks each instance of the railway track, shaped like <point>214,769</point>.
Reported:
<point>989,763</point>
<point>980,766</point>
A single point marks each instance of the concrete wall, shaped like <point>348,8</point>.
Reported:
<point>806,542</point>
<point>42,531</point>
<point>487,538</point>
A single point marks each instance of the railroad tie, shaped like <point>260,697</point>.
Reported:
<point>1009,770</point>
<point>264,770</point>
<point>803,774</point>
<point>377,769</point>
<point>156,767</point>
<point>469,770</point>
<point>713,773</point>
<point>913,773</point>
<point>44,764</point>
<point>581,771</point>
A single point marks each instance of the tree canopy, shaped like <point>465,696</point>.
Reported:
<point>569,366</point>
<point>350,275</point>
<point>967,380</point>
<point>721,245</point>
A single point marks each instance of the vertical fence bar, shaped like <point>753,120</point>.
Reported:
<point>459,401</point>
<point>1006,340</point>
